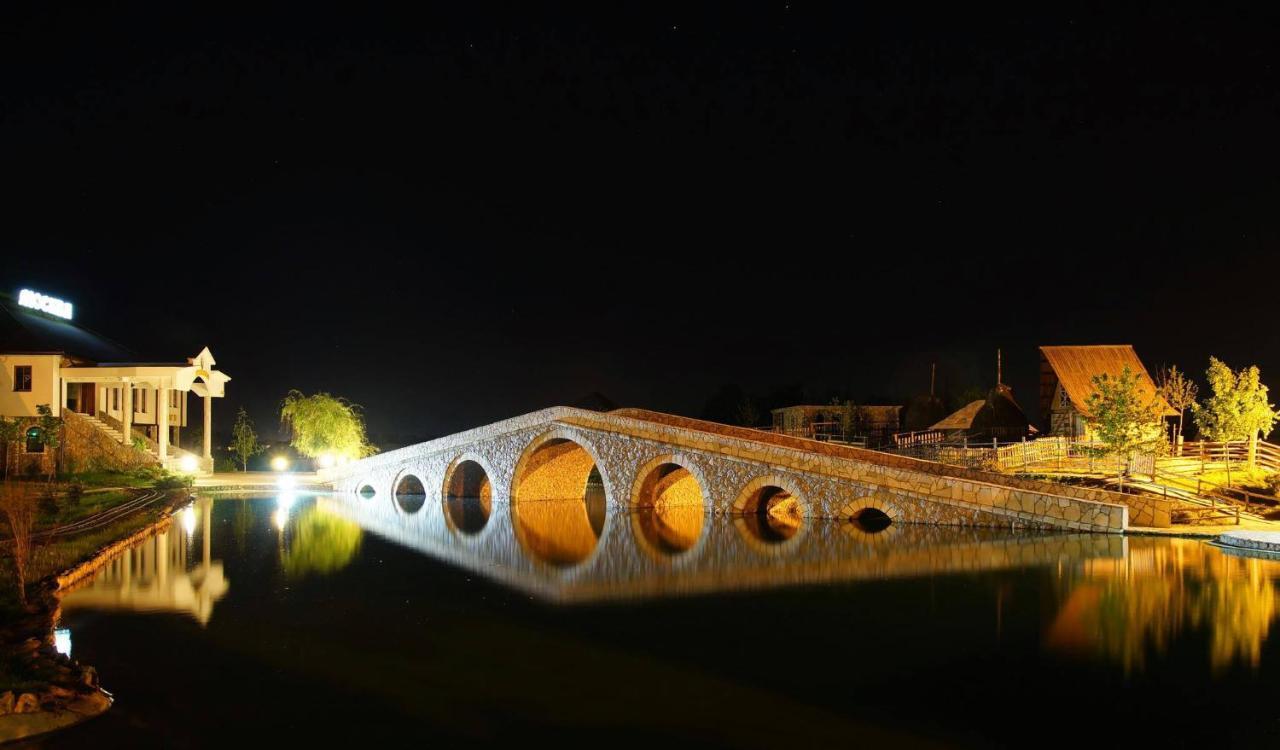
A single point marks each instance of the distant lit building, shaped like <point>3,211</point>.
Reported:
<point>48,359</point>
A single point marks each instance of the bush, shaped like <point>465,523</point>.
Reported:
<point>75,491</point>
<point>49,505</point>
<point>173,482</point>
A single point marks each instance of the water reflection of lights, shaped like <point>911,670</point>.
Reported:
<point>284,501</point>
<point>189,518</point>
<point>62,641</point>
<point>286,482</point>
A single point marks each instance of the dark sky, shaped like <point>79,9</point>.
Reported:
<point>461,215</point>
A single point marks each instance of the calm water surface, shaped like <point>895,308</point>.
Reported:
<point>335,621</point>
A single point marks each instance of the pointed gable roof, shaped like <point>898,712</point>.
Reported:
<point>1076,366</point>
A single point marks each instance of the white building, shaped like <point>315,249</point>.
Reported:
<point>46,358</point>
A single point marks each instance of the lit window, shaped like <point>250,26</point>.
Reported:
<point>22,378</point>
<point>34,443</point>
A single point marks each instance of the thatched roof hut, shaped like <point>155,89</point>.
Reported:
<point>998,415</point>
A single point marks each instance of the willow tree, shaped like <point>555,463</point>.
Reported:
<point>1123,417</point>
<point>322,424</point>
<point>1238,408</point>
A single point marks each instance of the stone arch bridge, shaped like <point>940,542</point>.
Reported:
<point>630,458</point>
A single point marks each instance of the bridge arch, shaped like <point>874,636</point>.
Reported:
<point>560,497</point>
<point>408,492</point>
<point>467,494</point>
<point>669,505</point>
<point>873,513</point>
<point>366,490</point>
<point>771,513</point>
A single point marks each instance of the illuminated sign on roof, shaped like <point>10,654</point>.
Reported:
<point>44,303</point>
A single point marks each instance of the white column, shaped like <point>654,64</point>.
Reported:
<point>162,421</point>
<point>126,411</point>
<point>62,405</point>
<point>208,426</point>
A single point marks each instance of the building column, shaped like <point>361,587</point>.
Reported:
<point>126,412</point>
<point>62,404</point>
<point>208,426</point>
<point>162,422</point>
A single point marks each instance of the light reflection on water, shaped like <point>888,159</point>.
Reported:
<point>1127,601</point>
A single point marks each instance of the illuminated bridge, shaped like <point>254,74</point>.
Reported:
<point>566,475</point>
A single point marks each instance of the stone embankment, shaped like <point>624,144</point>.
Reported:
<point>57,691</point>
<point>1262,543</point>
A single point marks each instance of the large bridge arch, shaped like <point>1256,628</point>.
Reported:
<point>669,505</point>
<point>561,498</point>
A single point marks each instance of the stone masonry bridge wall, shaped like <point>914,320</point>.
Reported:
<point>829,481</point>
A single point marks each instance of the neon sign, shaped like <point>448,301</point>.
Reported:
<point>44,303</point>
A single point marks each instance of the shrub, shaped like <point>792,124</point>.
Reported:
<point>173,482</point>
<point>49,505</point>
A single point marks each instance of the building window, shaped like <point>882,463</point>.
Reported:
<point>22,378</point>
<point>115,399</point>
<point>34,443</point>
<point>139,401</point>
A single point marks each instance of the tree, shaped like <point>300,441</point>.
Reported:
<point>10,433</point>
<point>322,424</point>
<point>748,415</point>
<point>1178,391</point>
<point>50,434</point>
<point>1122,418</point>
<point>18,505</point>
<point>1238,408</point>
<point>244,440</point>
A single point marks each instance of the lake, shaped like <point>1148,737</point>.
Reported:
<point>330,620</point>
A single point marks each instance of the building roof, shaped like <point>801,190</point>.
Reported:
<point>24,331</point>
<point>1076,367</point>
<point>997,415</point>
<point>962,418</point>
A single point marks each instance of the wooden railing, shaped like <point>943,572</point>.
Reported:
<point>1234,452</point>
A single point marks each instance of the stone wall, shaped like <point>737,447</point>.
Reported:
<point>84,448</point>
<point>828,480</point>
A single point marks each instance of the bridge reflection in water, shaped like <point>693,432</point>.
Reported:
<point>1125,600</point>
<point>557,548</point>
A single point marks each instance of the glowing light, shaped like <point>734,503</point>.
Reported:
<point>189,464</point>
<point>286,482</point>
<point>280,517</point>
<point>44,303</point>
<point>325,461</point>
<point>285,500</point>
<point>279,463</point>
<point>189,518</point>
<point>62,641</point>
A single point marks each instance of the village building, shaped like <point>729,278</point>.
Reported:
<point>998,416</point>
<point>101,389</point>
<point>1066,383</point>
<point>838,421</point>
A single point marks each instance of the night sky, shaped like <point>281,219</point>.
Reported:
<point>455,217</point>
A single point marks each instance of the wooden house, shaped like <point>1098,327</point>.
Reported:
<point>1066,382</point>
